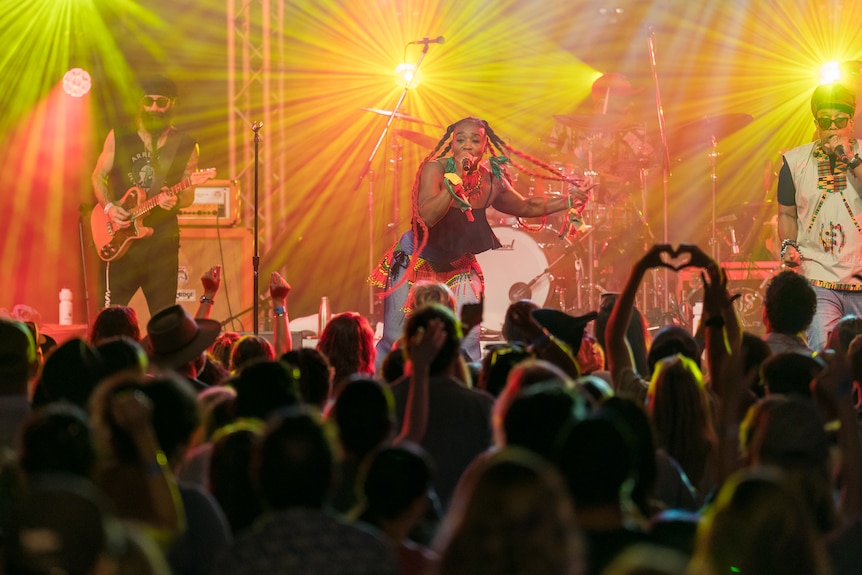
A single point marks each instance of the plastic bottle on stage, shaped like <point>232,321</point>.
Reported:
<point>322,315</point>
<point>65,306</point>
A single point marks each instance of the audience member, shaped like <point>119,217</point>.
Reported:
<point>789,304</point>
<point>758,527</point>
<point>250,348</point>
<point>536,417</point>
<point>315,375</point>
<point>62,525</point>
<point>598,466</point>
<point>71,373</point>
<point>113,321</point>
<point>294,473</point>
<point>347,342</point>
<point>222,347</point>
<point>121,353</point>
<point>177,341</point>
<point>789,373</point>
<point>57,439</point>
<point>397,493</point>
<point>679,408</point>
<point>498,363</point>
<point>363,414</point>
<point>18,365</point>
<point>230,473</point>
<point>458,418</point>
<point>511,514</point>
<point>847,328</point>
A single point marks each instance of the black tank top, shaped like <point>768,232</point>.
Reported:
<point>453,236</point>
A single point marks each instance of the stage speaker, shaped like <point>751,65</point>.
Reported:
<point>200,249</point>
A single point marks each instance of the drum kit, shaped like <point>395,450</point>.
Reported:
<point>571,273</point>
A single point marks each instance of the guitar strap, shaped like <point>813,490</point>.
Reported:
<point>163,158</point>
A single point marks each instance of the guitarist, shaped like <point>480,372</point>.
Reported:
<point>151,155</point>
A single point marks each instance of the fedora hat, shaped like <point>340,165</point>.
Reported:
<point>567,328</point>
<point>175,337</point>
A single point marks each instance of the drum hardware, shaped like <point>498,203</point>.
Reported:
<point>400,116</point>
<point>529,256</point>
<point>708,131</point>
<point>423,140</point>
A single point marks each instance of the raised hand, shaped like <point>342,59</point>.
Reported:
<point>658,255</point>
<point>426,344</point>
<point>278,287</point>
<point>211,280</point>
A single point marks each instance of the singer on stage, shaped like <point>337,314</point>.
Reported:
<point>449,225</point>
<point>819,207</point>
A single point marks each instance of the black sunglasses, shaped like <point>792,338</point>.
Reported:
<point>840,123</point>
<point>160,101</point>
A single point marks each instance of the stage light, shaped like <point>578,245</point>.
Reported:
<point>830,72</point>
<point>77,82</point>
<point>406,73</point>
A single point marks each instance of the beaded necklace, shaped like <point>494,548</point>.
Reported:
<point>476,188</point>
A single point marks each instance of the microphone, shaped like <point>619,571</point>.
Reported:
<point>466,164</point>
<point>426,40</point>
<point>839,151</point>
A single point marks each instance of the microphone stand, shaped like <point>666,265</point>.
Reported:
<point>255,260</point>
<point>367,168</point>
<point>665,163</point>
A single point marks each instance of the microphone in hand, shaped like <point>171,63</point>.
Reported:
<point>838,148</point>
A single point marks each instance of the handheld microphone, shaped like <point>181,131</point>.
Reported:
<point>426,40</point>
<point>839,151</point>
<point>466,164</point>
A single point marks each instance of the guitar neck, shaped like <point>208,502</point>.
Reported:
<point>146,207</point>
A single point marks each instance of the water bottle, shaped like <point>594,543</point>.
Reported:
<point>322,315</point>
<point>65,306</point>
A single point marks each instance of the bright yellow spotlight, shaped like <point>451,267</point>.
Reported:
<point>77,82</point>
<point>830,72</point>
<point>406,73</point>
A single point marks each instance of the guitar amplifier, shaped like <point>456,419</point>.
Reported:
<point>216,205</point>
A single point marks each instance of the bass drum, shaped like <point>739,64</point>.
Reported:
<point>517,270</point>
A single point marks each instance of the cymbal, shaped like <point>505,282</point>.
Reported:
<point>594,122</point>
<point>423,140</point>
<point>399,115</point>
<point>700,133</point>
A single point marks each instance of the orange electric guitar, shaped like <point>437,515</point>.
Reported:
<point>113,242</point>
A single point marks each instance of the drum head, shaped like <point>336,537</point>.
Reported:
<point>515,271</point>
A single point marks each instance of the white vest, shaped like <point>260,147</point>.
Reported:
<point>829,239</point>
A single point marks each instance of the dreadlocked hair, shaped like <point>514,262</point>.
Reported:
<point>505,149</point>
<point>420,228</point>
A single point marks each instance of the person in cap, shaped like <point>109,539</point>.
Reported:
<point>149,155</point>
<point>819,191</point>
<point>177,341</point>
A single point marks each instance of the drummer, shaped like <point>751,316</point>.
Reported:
<point>608,141</point>
<point>453,188</point>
